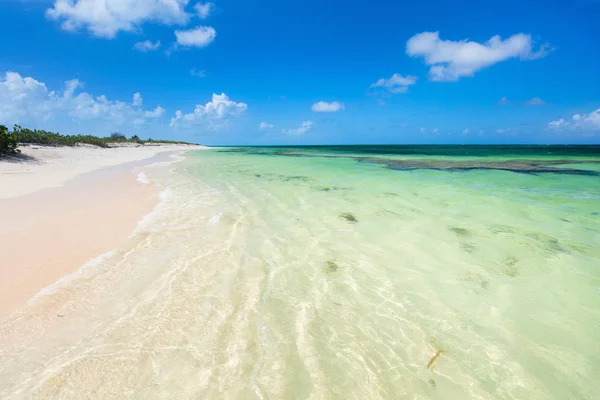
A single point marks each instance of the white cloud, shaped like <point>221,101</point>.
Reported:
<point>465,131</point>
<point>578,122</point>
<point>105,18</point>
<point>503,101</point>
<point>264,125</point>
<point>536,101</point>
<point>200,36</point>
<point>557,124</point>
<point>215,112</point>
<point>435,130</point>
<point>198,72</point>
<point>137,99</point>
<point>305,127</point>
<point>203,10</point>
<point>22,98</point>
<point>423,130</point>
<point>503,130</point>
<point>156,113</point>
<point>70,87</point>
<point>395,84</point>
<point>146,46</point>
<point>450,60</point>
<point>323,106</point>
<point>26,101</point>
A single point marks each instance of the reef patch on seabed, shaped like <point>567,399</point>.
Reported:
<point>349,217</point>
<point>520,166</point>
<point>516,165</point>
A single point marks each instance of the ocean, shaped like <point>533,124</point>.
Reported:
<point>337,272</point>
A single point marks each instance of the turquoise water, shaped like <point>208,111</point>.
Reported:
<point>339,273</point>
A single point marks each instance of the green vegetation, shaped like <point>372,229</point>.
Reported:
<point>9,140</point>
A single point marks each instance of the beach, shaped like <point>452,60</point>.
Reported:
<point>353,272</point>
<point>63,206</point>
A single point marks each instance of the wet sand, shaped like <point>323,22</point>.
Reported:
<point>49,234</point>
<point>60,207</point>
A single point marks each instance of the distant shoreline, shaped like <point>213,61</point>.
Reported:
<point>40,167</point>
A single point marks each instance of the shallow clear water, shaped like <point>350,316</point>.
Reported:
<point>336,273</point>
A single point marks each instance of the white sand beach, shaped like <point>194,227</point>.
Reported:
<point>70,204</point>
<point>41,167</point>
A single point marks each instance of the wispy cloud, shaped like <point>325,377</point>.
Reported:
<point>305,127</point>
<point>203,10</point>
<point>503,101</point>
<point>536,101</point>
<point>264,125</point>
<point>200,73</point>
<point>146,46</point>
<point>395,84</point>
<point>323,106</point>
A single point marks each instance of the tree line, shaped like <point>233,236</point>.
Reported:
<point>10,140</point>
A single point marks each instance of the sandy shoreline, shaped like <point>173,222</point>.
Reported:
<point>41,167</point>
<point>60,207</point>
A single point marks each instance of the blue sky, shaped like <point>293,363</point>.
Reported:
<point>304,72</point>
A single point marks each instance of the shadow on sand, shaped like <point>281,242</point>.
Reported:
<point>19,158</point>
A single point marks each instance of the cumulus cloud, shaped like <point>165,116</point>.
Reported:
<point>106,18</point>
<point>323,106</point>
<point>203,10</point>
<point>503,101</point>
<point>264,125</point>
<point>200,36</point>
<point>465,131</point>
<point>578,122</point>
<point>395,84</point>
<point>305,127</point>
<point>451,60</point>
<point>536,101</point>
<point>24,100</point>
<point>146,46</point>
<point>215,112</point>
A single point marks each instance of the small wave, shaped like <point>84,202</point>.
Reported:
<point>175,158</point>
<point>149,218</point>
<point>94,262</point>
<point>165,194</point>
<point>143,178</point>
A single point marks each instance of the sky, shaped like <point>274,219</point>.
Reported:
<point>304,71</point>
